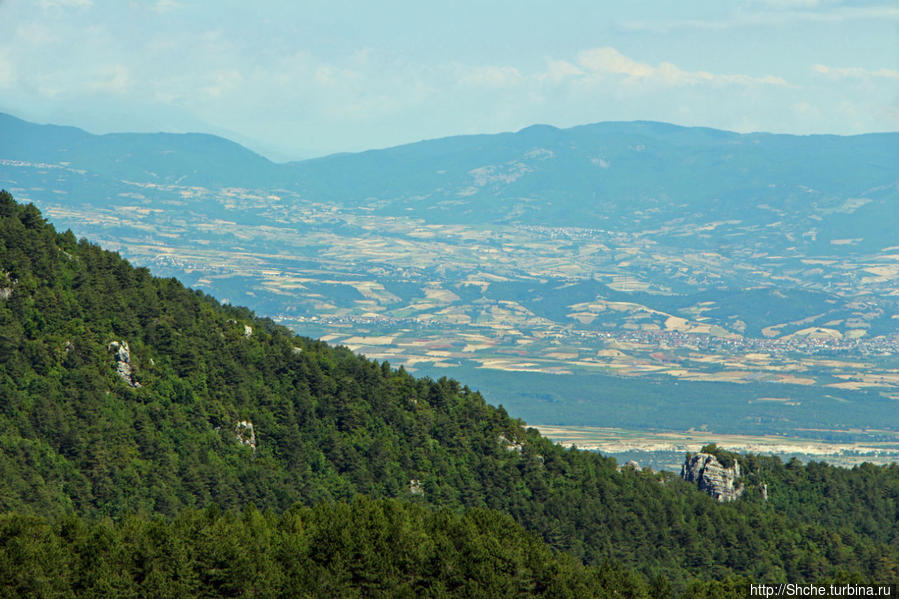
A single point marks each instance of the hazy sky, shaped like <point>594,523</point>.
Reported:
<point>299,79</point>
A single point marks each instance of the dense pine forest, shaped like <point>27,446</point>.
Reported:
<point>154,442</point>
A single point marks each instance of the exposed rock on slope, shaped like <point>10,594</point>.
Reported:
<point>710,476</point>
<point>246,433</point>
<point>6,285</point>
<point>123,361</point>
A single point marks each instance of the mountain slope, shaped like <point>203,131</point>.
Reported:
<point>123,393</point>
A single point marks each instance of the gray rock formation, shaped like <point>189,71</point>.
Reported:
<point>246,434</point>
<point>710,476</point>
<point>123,361</point>
<point>510,445</point>
<point>6,285</point>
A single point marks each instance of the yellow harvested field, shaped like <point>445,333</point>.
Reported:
<point>588,307</point>
<point>890,271</point>
<point>772,331</point>
<point>422,234</point>
<point>383,340</point>
<point>850,385</point>
<point>629,285</point>
<point>582,317</point>
<point>454,315</point>
<point>374,291</point>
<point>795,380</point>
<point>561,355</point>
<point>676,323</point>
<point>631,307</point>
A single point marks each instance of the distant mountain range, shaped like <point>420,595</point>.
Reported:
<point>627,175</point>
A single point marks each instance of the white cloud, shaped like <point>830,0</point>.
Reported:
<point>763,16</point>
<point>559,70</point>
<point>855,72</point>
<point>610,61</point>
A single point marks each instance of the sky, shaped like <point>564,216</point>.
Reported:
<point>294,80</point>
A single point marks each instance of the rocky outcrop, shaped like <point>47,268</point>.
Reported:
<point>246,434</point>
<point>247,329</point>
<point>123,363</point>
<point>6,285</point>
<point>510,445</point>
<point>710,476</point>
<point>629,465</point>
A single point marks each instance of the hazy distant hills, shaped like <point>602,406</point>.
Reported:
<point>190,159</point>
<point>622,174</point>
<point>629,175</point>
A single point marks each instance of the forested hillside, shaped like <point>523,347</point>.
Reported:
<point>130,397</point>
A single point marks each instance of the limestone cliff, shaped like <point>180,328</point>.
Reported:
<point>710,476</point>
<point>124,367</point>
